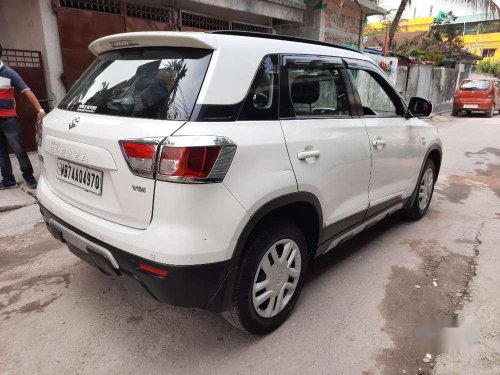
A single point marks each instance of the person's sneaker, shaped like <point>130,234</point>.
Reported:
<point>31,182</point>
<point>7,184</point>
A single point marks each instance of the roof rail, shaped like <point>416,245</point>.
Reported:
<point>280,37</point>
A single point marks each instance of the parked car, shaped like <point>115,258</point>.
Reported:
<point>212,168</point>
<point>477,95</point>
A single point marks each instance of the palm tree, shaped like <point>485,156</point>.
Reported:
<point>488,6</point>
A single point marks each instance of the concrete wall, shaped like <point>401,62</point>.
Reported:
<point>31,25</point>
<point>290,10</point>
<point>52,55</point>
<point>310,27</point>
<point>341,21</point>
<point>436,84</point>
<point>333,21</point>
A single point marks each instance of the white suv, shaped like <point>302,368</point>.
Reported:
<point>211,168</point>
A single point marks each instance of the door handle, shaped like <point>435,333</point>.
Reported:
<point>303,155</point>
<point>379,142</point>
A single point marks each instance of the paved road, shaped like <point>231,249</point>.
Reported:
<point>369,308</point>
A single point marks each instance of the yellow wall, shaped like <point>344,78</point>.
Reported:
<point>482,41</point>
<point>417,24</point>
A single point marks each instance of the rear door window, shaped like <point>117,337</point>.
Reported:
<point>318,92</point>
<point>153,83</point>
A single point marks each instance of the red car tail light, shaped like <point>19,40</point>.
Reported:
<point>186,159</point>
<point>188,162</point>
<point>141,155</point>
<point>193,159</point>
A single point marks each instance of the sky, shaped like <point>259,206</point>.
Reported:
<point>428,8</point>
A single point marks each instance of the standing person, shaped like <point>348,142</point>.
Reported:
<point>10,129</point>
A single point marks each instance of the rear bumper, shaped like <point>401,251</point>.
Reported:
<point>482,104</point>
<point>209,286</point>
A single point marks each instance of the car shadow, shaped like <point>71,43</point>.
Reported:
<point>475,114</point>
<point>168,333</point>
<point>354,246</point>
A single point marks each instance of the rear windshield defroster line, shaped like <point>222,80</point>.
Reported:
<point>152,83</point>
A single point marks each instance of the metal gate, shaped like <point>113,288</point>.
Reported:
<point>29,66</point>
<point>145,18</point>
<point>199,22</point>
<point>83,21</point>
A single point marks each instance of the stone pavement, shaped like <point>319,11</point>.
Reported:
<point>22,196</point>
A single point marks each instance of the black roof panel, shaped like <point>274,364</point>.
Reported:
<point>280,37</point>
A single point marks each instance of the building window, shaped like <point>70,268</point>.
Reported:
<point>489,52</point>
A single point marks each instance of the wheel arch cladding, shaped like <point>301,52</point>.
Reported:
<point>301,208</point>
<point>436,156</point>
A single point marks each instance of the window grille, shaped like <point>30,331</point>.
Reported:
<point>102,6</point>
<point>203,22</point>
<point>150,13</point>
<point>21,58</point>
<point>247,27</point>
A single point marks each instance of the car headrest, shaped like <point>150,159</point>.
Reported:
<point>305,89</point>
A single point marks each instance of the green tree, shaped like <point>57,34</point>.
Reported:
<point>445,24</point>
<point>489,66</point>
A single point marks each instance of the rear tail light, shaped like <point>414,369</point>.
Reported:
<point>188,162</point>
<point>195,159</point>
<point>141,155</point>
<point>186,159</point>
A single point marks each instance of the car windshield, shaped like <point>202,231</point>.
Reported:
<point>153,83</point>
<point>475,85</point>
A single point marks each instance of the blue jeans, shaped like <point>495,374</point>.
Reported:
<point>10,133</point>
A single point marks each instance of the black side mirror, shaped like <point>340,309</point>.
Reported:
<point>420,107</point>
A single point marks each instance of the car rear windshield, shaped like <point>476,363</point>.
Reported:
<point>153,83</point>
<point>475,85</point>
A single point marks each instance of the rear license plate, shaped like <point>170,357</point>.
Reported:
<point>86,178</point>
<point>470,105</point>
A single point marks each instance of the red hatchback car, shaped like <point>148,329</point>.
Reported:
<point>481,95</point>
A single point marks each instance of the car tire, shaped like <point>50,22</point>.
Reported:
<point>276,238</point>
<point>454,112</point>
<point>489,114</point>
<point>424,191</point>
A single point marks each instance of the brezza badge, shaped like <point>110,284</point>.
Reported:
<point>73,123</point>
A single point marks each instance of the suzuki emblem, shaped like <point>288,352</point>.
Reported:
<point>73,123</point>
